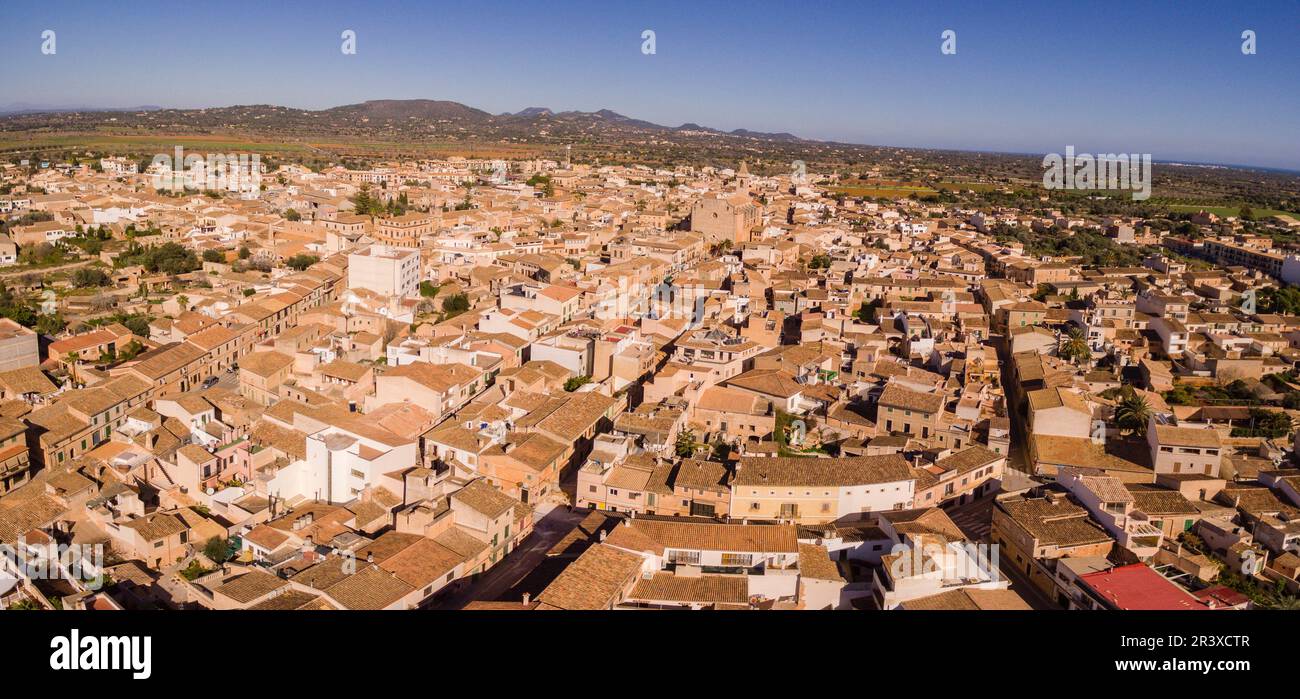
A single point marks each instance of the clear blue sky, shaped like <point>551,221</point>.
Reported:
<point>1166,78</point>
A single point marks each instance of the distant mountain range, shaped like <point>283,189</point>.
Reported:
<point>29,108</point>
<point>415,117</point>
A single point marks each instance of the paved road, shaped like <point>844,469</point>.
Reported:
<point>496,583</point>
<point>229,381</point>
<point>43,271</point>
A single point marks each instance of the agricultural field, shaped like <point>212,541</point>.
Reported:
<point>1228,210</point>
<point>971,186</point>
<point>887,189</point>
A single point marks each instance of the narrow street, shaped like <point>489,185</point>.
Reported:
<point>1019,584</point>
<point>500,581</point>
<point>975,519</point>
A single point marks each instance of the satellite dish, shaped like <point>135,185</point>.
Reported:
<point>209,491</point>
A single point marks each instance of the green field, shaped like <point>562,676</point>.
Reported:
<point>885,190</point>
<point>972,186</point>
<point>1228,210</point>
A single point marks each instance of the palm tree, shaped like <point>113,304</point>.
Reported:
<point>1132,412</point>
<point>1076,347</point>
<point>71,360</point>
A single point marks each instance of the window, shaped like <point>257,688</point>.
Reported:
<point>742,560</point>
<point>686,557</point>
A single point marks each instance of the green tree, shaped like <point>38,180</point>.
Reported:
<point>1132,412</point>
<point>71,360</point>
<point>301,261</point>
<point>291,215</point>
<point>367,204</point>
<point>1270,423</point>
<point>686,444</point>
<point>576,382</point>
<point>1075,348</point>
<point>50,324</point>
<point>1285,300</point>
<point>168,258</point>
<point>217,550</point>
<point>194,570</point>
<point>455,304</point>
<point>88,277</point>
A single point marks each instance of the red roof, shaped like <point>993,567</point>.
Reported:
<point>1222,596</point>
<point>1138,586</point>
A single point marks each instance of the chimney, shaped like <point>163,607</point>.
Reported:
<point>527,598</point>
<point>602,534</point>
